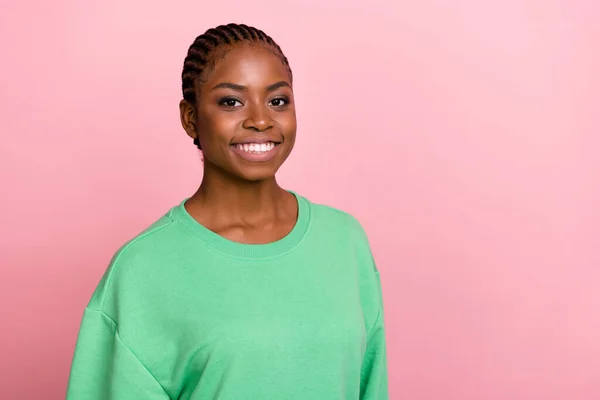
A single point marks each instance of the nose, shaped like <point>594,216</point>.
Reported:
<point>258,119</point>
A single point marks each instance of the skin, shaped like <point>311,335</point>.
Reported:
<point>239,199</point>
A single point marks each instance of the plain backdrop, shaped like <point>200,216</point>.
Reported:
<point>464,135</point>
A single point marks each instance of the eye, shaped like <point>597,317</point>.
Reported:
<point>230,102</point>
<point>278,102</point>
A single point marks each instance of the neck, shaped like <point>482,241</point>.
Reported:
<point>231,198</point>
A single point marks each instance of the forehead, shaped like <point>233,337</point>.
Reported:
<point>248,65</point>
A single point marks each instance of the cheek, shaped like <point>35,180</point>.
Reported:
<point>218,128</point>
<point>288,124</point>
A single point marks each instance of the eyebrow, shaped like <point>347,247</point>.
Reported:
<point>241,88</point>
<point>277,85</point>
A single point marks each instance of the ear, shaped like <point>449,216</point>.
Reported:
<point>187,114</point>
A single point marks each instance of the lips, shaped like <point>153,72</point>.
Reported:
<point>259,140</point>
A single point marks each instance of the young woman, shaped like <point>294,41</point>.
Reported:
<point>244,290</point>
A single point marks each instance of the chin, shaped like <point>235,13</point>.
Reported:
<point>254,174</point>
<point>244,170</point>
<point>257,171</point>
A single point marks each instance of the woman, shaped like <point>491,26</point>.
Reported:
<point>244,290</point>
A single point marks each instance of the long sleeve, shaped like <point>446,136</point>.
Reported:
<point>104,368</point>
<point>374,375</point>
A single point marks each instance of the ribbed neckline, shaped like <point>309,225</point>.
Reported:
<point>248,251</point>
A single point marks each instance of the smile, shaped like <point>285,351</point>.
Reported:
<point>256,148</point>
<point>256,152</point>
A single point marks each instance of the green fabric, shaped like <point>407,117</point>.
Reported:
<point>182,313</point>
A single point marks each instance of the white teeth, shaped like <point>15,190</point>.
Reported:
<point>256,147</point>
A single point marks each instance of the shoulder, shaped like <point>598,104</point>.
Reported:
<point>337,227</point>
<point>145,244</point>
<point>134,261</point>
<point>336,219</point>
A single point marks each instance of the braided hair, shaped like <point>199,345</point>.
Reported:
<point>201,54</point>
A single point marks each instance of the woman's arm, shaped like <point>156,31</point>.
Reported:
<point>104,368</point>
<point>374,376</point>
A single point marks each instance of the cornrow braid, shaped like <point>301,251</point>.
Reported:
<point>199,56</point>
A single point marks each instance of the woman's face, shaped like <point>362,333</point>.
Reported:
<point>245,118</point>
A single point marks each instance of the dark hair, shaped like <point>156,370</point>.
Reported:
<point>200,56</point>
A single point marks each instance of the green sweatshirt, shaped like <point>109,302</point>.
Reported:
<point>183,313</point>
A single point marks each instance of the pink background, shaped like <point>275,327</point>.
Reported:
<point>463,134</point>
